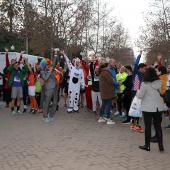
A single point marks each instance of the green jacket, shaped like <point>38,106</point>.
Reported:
<point>21,73</point>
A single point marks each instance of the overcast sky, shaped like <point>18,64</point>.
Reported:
<point>131,13</point>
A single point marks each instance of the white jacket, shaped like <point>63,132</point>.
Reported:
<point>149,93</point>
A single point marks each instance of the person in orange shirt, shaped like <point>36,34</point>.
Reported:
<point>31,89</point>
<point>59,80</point>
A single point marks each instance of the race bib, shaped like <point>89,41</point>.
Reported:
<point>17,79</point>
<point>76,75</point>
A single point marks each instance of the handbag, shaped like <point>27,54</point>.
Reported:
<point>135,108</point>
<point>166,96</point>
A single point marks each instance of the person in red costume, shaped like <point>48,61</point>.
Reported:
<point>88,80</point>
<point>7,89</point>
<point>158,62</point>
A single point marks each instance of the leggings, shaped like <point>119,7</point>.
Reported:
<point>38,98</point>
<point>95,95</point>
<point>24,98</point>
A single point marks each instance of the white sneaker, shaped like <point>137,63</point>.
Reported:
<point>116,113</point>
<point>101,120</point>
<point>110,122</point>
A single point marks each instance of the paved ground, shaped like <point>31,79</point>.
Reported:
<point>75,142</point>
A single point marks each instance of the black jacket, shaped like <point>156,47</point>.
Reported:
<point>95,78</point>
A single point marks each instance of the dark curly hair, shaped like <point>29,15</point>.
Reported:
<point>150,75</point>
<point>162,69</point>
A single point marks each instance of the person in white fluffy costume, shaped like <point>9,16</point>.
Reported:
<point>75,83</point>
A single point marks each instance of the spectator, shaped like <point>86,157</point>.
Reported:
<point>151,106</point>
<point>106,83</point>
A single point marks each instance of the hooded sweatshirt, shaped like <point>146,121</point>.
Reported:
<point>149,93</point>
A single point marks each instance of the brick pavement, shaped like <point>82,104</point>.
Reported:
<point>75,142</point>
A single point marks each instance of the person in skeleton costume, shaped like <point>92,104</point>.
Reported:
<point>75,83</point>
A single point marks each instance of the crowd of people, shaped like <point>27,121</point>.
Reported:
<point>104,85</point>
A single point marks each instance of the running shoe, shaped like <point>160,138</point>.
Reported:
<point>101,120</point>
<point>51,119</point>
<point>126,122</point>
<point>25,110</point>
<point>132,126</point>
<point>41,111</point>
<point>110,122</point>
<point>138,128</point>
<point>35,111</point>
<point>31,110</point>
<point>19,112</point>
<point>119,115</point>
<point>46,120</point>
<point>13,113</point>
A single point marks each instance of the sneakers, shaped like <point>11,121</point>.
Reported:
<point>116,113</point>
<point>51,119</point>
<point>138,128</point>
<point>19,112</point>
<point>167,127</point>
<point>41,111</point>
<point>94,112</point>
<point>35,111</point>
<point>13,113</point>
<point>101,120</point>
<point>132,126</point>
<point>46,120</point>
<point>25,110</point>
<point>119,115</point>
<point>90,110</point>
<point>105,117</point>
<point>110,122</point>
<point>126,122</point>
<point>31,110</point>
<point>124,116</point>
<point>7,105</point>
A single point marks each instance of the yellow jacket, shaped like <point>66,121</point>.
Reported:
<point>163,78</point>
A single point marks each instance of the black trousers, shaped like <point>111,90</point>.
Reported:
<point>156,116</point>
<point>38,98</point>
<point>127,100</point>
<point>119,102</point>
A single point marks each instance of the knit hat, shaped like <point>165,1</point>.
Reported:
<point>44,62</point>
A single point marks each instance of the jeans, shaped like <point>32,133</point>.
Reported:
<point>106,104</point>
<point>156,116</point>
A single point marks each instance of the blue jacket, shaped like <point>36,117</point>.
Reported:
<point>112,70</point>
<point>136,71</point>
